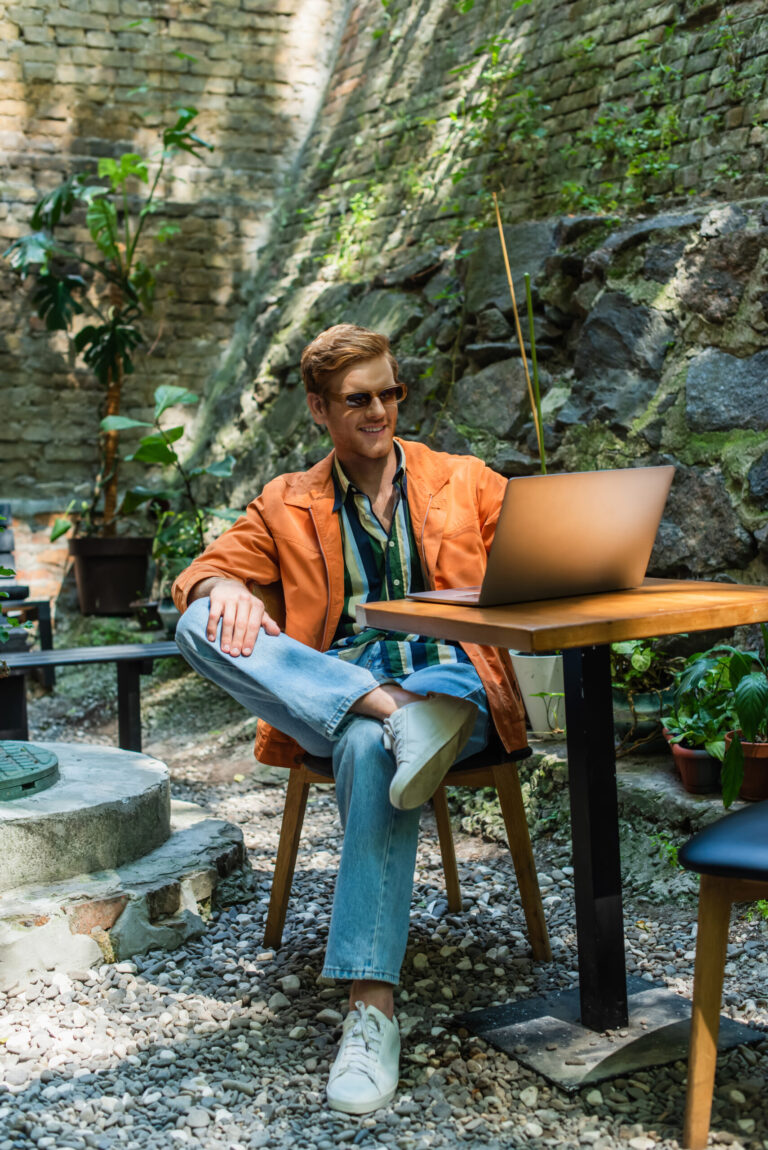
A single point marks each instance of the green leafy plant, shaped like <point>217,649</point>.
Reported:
<point>701,711</point>
<point>758,909</point>
<point>641,665</point>
<point>666,850</point>
<point>748,676</point>
<point>180,520</point>
<point>500,114</point>
<point>641,668</point>
<point>734,684</point>
<point>110,279</point>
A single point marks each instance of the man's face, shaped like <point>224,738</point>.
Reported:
<point>358,433</point>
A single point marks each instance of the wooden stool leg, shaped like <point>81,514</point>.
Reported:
<point>711,945</point>
<point>445,835</point>
<point>507,783</point>
<point>285,863</point>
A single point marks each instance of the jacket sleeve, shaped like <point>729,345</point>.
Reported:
<point>246,551</point>
<point>490,494</point>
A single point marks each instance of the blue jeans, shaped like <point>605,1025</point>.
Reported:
<point>307,695</point>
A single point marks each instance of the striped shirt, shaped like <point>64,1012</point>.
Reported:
<point>381,565</point>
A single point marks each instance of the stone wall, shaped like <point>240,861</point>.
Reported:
<point>82,81</point>
<point>610,130</point>
<point>640,307</point>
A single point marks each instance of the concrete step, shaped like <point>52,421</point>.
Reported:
<point>157,901</point>
<point>108,808</point>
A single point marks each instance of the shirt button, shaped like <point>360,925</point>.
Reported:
<point>391,542</point>
<point>396,582</point>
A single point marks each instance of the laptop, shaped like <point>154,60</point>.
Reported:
<point>564,535</point>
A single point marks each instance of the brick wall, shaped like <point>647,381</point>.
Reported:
<point>69,74</point>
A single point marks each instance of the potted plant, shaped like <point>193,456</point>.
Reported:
<point>733,684</point>
<point>540,678</point>
<point>109,280</point>
<point>745,763</point>
<point>642,674</point>
<point>180,520</point>
<point>696,724</point>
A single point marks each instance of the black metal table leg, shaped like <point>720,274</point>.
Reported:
<point>595,830</point>
<point>129,706</point>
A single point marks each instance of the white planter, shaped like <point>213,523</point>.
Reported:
<point>541,675</point>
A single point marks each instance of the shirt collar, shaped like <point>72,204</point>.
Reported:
<point>342,484</point>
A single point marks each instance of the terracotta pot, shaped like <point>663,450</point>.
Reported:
<point>698,770</point>
<point>754,787</point>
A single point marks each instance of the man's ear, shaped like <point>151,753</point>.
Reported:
<point>316,405</point>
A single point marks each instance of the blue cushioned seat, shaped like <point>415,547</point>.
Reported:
<point>733,847</point>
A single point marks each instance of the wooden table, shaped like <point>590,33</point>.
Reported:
<point>583,628</point>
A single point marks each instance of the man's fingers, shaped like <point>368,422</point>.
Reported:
<point>227,624</point>
<point>252,628</point>
<point>214,615</point>
<point>242,620</point>
<point>269,625</point>
<point>241,615</point>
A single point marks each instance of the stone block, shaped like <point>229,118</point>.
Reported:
<point>529,245</point>
<point>724,392</point>
<point>700,535</point>
<point>494,399</point>
<point>757,478</point>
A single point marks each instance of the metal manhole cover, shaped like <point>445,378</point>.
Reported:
<point>25,769</point>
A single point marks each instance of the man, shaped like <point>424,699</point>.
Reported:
<point>269,614</point>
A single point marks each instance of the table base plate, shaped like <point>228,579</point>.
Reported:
<point>545,1034</point>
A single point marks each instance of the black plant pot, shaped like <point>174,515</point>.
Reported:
<point>110,573</point>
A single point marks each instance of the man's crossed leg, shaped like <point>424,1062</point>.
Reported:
<point>385,739</point>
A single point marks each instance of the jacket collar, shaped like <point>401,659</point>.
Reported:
<point>424,468</point>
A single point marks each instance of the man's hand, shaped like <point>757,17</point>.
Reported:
<point>242,614</point>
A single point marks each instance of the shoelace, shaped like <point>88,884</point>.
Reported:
<point>361,1044</point>
<point>388,737</point>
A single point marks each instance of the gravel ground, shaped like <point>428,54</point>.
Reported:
<point>224,1044</point>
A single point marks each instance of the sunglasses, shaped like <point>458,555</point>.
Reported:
<point>359,399</point>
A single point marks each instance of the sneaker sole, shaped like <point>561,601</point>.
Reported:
<point>429,776</point>
<point>350,1107</point>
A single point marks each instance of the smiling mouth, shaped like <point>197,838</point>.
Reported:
<point>374,430</point>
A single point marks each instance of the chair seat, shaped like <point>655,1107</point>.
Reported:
<point>734,847</point>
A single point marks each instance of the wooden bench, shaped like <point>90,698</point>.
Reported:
<point>131,660</point>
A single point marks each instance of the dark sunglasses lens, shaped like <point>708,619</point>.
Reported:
<point>364,398</point>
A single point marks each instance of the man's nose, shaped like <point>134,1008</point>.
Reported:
<point>376,406</point>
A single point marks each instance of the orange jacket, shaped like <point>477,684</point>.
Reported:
<point>287,548</point>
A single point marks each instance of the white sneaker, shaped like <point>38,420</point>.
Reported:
<point>425,738</point>
<point>365,1073</point>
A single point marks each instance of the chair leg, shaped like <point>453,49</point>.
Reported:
<point>507,783</point>
<point>711,945</point>
<point>445,835</point>
<point>285,863</point>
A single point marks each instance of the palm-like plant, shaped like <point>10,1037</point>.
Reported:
<point>114,261</point>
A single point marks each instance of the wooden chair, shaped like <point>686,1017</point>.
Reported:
<point>493,767</point>
<point>731,856</point>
